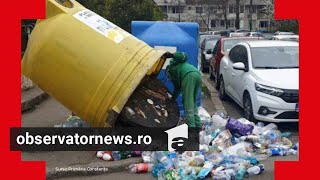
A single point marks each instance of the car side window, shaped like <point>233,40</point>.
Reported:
<point>215,49</point>
<point>243,55</point>
<point>233,54</point>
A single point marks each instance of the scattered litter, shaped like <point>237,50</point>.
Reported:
<point>156,95</point>
<point>141,113</point>
<point>150,101</point>
<point>73,122</point>
<point>156,120</point>
<point>130,111</point>
<point>229,149</point>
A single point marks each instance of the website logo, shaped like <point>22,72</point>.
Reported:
<point>177,138</point>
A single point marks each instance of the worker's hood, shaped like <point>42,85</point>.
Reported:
<point>179,57</point>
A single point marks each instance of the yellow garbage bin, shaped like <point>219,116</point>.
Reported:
<point>86,62</point>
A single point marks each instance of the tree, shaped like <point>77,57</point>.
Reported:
<point>251,12</point>
<point>237,14</point>
<point>122,12</point>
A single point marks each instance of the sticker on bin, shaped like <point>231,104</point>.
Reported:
<point>101,25</point>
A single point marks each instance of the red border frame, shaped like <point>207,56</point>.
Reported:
<point>11,165</point>
<point>10,92</point>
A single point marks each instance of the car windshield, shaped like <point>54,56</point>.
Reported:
<point>228,44</point>
<point>210,43</point>
<point>285,57</point>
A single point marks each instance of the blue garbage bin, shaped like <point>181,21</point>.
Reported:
<point>172,37</point>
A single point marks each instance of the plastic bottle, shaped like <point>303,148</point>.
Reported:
<point>255,170</point>
<point>218,122</point>
<point>118,155</point>
<point>164,159</point>
<point>286,134</point>
<point>273,136</point>
<point>180,162</point>
<point>141,168</point>
<point>227,174</point>
<point>253,160</point>
<point>269,127</point>
<point>105,155</point>
<point>240,173</point>
<point>157,168</point>
<point>260,157</point>
<point>286,141</point>
<point>197,161</point>
<point>148,157</point>
<point>185,176</point>
<point>205,169</point>
<point>296,146</point>
<point>167,174</point>
<point>276,152</point>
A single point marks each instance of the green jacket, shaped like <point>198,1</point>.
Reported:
<point>178,69</point>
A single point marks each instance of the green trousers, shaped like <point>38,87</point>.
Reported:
<point>191,86</point>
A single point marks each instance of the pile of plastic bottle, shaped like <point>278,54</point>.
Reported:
<point>229,149</point>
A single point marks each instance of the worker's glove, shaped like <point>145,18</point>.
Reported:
<point>168,55</point>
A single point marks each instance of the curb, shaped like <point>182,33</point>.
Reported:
<point>214,95</point>
<point>31,98</point>
<point>111,166</point>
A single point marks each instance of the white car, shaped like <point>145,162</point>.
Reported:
<point>285,38</point>
<point>283,33</point>
<point>263,78</point>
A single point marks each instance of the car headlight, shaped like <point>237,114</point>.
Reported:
<point>269,90</point>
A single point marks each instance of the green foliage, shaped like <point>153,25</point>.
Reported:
<point>122,12</point>
<point>286,25</point>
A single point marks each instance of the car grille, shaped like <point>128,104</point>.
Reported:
<point>290,96</point>
<point>288,115</point>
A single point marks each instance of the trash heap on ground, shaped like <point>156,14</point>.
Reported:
<point>229,149</point>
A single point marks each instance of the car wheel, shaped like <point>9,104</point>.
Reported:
<point>247,108</point>
<point>210,72</point>
<point>217,80</point>
<point>222,93</point>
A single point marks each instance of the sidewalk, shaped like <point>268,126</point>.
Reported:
<point>32,97</point>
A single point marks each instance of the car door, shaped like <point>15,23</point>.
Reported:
<point>238,76</point>
<point>232,58</point>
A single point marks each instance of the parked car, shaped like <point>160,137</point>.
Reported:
<point>202,38</point>
<point>285,38</point>
<point>206,51</point>
<point>241,31</point>
<point>263,78</point>
<point>226,33</point>
<point>220,49</point>
<point>283,33</point>
<point>237,34</point>
<point>254,34</point>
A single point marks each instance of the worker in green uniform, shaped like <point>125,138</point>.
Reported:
<point>186,79</point>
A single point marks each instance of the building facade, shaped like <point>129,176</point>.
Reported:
<point>215,15</point>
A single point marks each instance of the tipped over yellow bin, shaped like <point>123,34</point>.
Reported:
<point>87,63</point>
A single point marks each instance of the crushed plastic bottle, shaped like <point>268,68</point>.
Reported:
<point>255,170</point>
<point>164,159</point>
<point>141,168</point>
<point>148,157</point>
<point>73,122</point>
<point>119,155</point>
<point>276,152</point>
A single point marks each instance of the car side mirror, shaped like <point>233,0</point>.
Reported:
<point>209,51</point>
<point>240,66</point>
